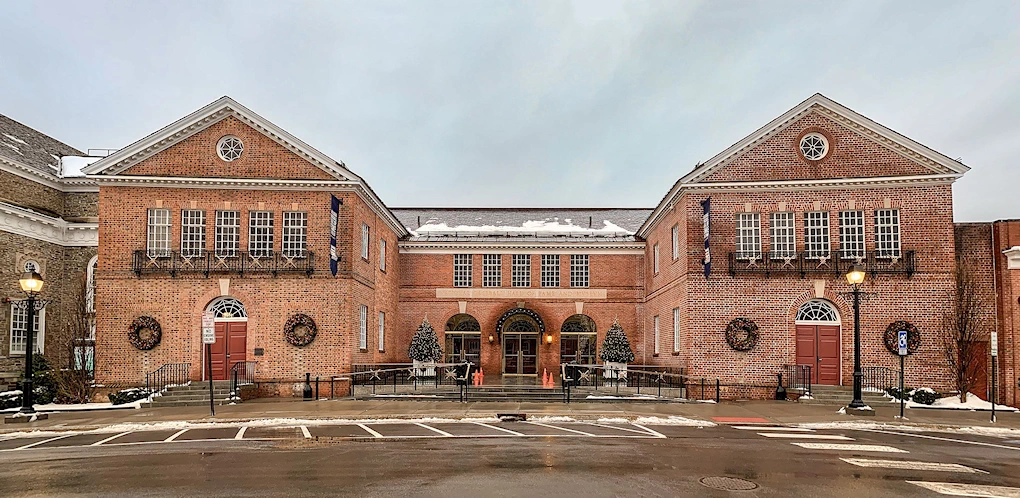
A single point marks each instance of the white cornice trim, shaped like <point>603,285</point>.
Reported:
<point>533,247</point>
<point>21,221</point>
<point>680,189</point>
<point>1012,258</point>
<point>76,184</point>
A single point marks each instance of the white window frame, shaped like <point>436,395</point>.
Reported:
<point>655,335</point>
<point>365,239</point>
<point>228,235</point>
<point>260,233</point>
<point>748,232</point>
<point>520,270</point>
<point>192,233</point>
<point>382,331</point>
<point>676,330</point>
<point>579,270</point>
<point>492,270</point>
<point>157,233</point>
<point>40,329</point>
<point>887,233</point>
<point>851,234</point>
<point>817,244</point>
<point>382,254</point>
<point>295,234</point>
<point>363,331</point>
<point>783,234</point>
<point>550,270</point>
<point>655,258</point>
<point>675,241</point>
<point>462,270</point>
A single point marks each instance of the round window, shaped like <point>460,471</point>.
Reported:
<point>31,265</point>
<point>814,146</point>
<point>230,148</point>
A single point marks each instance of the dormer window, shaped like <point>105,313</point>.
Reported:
<point>229,148</point>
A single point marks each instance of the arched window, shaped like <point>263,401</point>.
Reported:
<point>227,307</point>
<point>90,284</point>
<point>578,340</point>
<point>818,311</point>
<point>578,324</point>
<point>463,322</point>
<point>463,339</point>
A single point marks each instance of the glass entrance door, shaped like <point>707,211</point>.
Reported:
<point>520,354</point>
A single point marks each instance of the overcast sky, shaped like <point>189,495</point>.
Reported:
<point>544,103</point>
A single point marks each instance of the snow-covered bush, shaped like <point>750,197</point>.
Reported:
<point>128,395</point>
<point>924,395</point>
<point>10,399</point>
<point>896,394</point>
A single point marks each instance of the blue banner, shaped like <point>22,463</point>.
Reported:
<point>706,221</point>
<point>334,218</point>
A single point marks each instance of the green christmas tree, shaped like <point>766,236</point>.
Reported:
<point>425,344</point>
<point>616,347</point>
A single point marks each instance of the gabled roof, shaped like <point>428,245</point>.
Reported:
<point>203,118</point>
<point>27,146</point>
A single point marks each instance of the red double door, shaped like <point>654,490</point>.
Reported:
<point>231,341</point>
<point>818,346</point>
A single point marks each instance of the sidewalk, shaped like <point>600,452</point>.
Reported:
<point>773,411</point>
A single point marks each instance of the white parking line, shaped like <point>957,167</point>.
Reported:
<point>643,433</point>
<point>960,489</point>
<point>656,434</point>
<point>370,431</point>
<point>908,465</point>
<point>763,428</point>
<point>433,429</point>
<point>850,447</point>
<point>240,432</point>
<point>178,433</point>
<point>979,443</point>
<point>805,436</point>
<point>508,431</point>
<point>561,429</point>
<point>305,433</point>
<point>44,441</point>
<point>111,438</point>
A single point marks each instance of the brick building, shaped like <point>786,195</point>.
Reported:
<point>48,223</point>
<point>223,211</point>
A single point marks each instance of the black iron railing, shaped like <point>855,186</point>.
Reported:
<point>169,375</point>
<point>835,263</point>
<point>879,378</point>
<point>797,377</point>
<point>176,263</point>
<point>653,379</point>
<point>393,376</point>
<point>242,373</point>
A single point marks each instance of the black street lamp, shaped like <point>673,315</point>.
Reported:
<point>32,283</point>
<point>855,276</point>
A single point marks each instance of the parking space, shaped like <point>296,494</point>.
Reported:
<point>402,430</point>
<point>217,433</point>
<point>10,444</point>
<point>272,433</point>
<point>143,437</point>
<point>342,431</point>
<point>77,440</point>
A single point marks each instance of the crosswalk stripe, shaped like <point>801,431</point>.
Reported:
<point>370,431</point>
<point>763,428</point>
<point>111,438</point>
<point>830,437</point>
<point>908,465</point>
<point>936,438</point>
<point>433,429</point>
<point>850,447</point>
<point>962,489</point>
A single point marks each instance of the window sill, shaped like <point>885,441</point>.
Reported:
<point>655,355</point>
<point>362,350</point>
<point>676,353</point>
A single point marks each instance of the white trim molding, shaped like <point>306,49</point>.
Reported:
<point>1012,258</point>
<point>21,221</point>
<point>532,247</point>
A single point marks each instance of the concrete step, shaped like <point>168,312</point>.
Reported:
<point>183,403</point>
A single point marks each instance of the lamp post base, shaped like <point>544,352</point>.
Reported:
<point>24,418</point>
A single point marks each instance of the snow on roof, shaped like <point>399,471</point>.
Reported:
<point>32,148</point>
<point>71,166</point>
<point>518,222</point>
<point>537,227</point>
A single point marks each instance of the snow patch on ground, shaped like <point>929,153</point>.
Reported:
<point>634,396</point>
<point>547,419</point>
<point>55,407</point>
<point>612,420</point>
<point>953,403</point>
<point>673,420</point>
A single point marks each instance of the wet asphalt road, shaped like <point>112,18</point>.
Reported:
<point>444,459</point>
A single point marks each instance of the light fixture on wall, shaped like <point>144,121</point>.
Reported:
<point>491,338</point>
<point>548,338</point>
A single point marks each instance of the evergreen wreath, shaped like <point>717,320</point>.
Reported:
<point>615,346</point>
<point>300,330</point>
<point>891,337</point>
<point>425,345</point>
<point>145,333</point>
<point>742,334</point>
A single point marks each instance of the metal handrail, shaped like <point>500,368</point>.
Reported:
<point>242,373</point>
<point>168,375</point>
<point>798,377</point>
<point>880,378</point>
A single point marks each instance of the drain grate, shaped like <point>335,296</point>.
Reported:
<point>727,483</point>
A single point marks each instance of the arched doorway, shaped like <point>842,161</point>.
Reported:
<point>578,340</point>
<point>818,326</point>
<point>519,330</point>
<point>463,339</point>
<point>231,343</point>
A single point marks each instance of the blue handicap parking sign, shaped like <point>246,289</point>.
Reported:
<point>902,342</point>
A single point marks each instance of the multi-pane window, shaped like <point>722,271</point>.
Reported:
<point>260,233</point>
<point>382,254</point>
<point>295,233</point>
<point>364,240</point>
<point>192,232</point>
<point>675,237</point>
<point>851,234</point>
<point>492,270</point>
<point>748,235</point>
<point>382,330</point>
<point>579,270</point>
<point>19,329</point>
<point>655,258</point>
<point>781,231</point>
<point>887,233</point>
<point>816,234</point>
<point>228,233</point>
<point>655,334</point>
<point>157,240</point>
<point>363,331</point>
<point>550,270</point>
<point>521,276</point>
<point>462,270</point>
<point>676,329</point>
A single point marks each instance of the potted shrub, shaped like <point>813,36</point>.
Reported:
<point>424,350</point>
<point>616,352</point>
